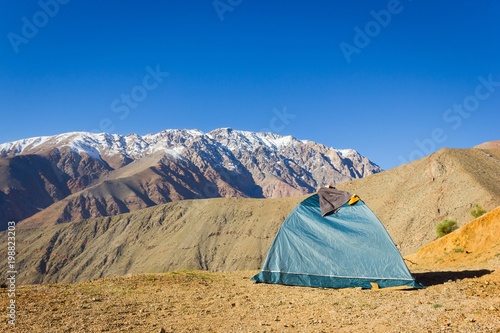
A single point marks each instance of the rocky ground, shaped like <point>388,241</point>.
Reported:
<point>195,301</point>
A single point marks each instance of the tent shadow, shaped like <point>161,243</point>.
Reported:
<point>434,278</point>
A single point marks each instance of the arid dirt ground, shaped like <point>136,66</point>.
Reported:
<point>196,301</point>
<point>461,272</point>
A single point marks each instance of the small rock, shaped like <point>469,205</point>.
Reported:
<point>162,330</point>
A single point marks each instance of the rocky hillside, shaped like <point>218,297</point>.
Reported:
<point>91,175</point>
<point>412,199</point>
<point>30,182</point>
<point>224,234</point>
<point>229,234</point>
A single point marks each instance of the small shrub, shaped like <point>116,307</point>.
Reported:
<point>458,250</point>
<point>477,211</point>
<point>445,227</point>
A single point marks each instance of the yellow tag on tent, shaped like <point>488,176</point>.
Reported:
<point>353,199</point>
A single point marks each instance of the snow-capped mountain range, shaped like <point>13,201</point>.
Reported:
<point>85,174</point>
<point>134,146</point>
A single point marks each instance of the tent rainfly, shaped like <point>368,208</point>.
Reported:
<point>333,240</point>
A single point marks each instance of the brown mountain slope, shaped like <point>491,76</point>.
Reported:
<point>476,243</point>
<point>30,183</point>
<point>208,234</point>
<point>143,183</point>
<point>412,199</point>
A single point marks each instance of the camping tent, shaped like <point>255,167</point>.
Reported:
<point>338,244</point>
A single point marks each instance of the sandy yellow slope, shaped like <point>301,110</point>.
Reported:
<point>476,243</point>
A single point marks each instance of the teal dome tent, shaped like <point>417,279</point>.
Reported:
<point>333,240</point>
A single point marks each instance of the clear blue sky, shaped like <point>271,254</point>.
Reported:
<point>329,69</point>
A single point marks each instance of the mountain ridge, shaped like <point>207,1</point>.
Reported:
<point>92,175</point>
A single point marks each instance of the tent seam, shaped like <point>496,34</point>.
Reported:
<point>339,276</point>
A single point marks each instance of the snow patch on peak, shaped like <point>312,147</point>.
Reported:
<point>195,132</point>
<point>19,146</point>
<point>175,152</point>
<point>250,140</point>
<point>191,132</point>
<point>283,141</point>
<point>84,147</point>
<point>347,152</point>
